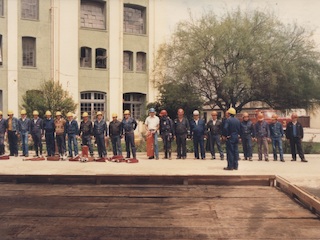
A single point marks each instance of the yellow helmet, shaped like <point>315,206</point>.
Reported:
<point>126,112</point>
<point>85,114</point>
<point>10,112</point>
<point>69,114</point>
<point>58,113</point>
<point>1,113</point>
<point>114,115</point>
<point>23,112</point>
<point>48,113</point>
<point>35,113</point>
<point>232,111</point>
<point>99,113</point>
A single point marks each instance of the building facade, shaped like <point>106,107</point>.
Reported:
<point>101,51</point>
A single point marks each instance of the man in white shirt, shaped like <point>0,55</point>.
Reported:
<point>152,126</point>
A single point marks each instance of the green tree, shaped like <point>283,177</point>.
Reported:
<point>243,57</point>
<point>51,96</point>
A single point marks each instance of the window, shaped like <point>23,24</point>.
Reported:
<point>92,102</point>
<point>101,58</point>
<point>1,8</point>
<point>30,9</point>
<point>85,57</point>
<point>127,61</point>
<point>134,19</point>
<point>141,62</point>
<point>135,103</point>
<point>28,51</point>
<point>93,14</point>
<point>1,59</point>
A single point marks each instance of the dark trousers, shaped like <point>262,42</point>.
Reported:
<point>61,143</point>
<point>198,142</point>
<point>167,139</point>
<point>295,145</point>
<point>277,143</point>
<point>2,150</point>
<point>116,145</point>
<point>72,143</point>
<point>181,145</point>
<point>13,142</point>
<point>233,153</point>
<point>247,146</point>
<point>215,139</point>
<point>24,143</point>
<point>86,140</point>
<point>50,143</point>
<point>37,143</point>
<point>101,145</point>
<point>129,139</point>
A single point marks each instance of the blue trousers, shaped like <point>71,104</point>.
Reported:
<point>129,139</point>
<point>277,143</point>
<point>50,143</point>
<point>86,140</point>
<point>233,153</point>
<point>116,145</point>
<point>37,143</point>
<point>101,145</point>
<point>215,139</point>
<point>72,142</point>
<point>198,142</point>
<point>247,146</point>
<point>24,141</point>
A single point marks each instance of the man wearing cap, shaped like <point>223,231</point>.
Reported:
<point>3,129</point>
<point>115,133</point>
<point>214,127</point>
<point>72,131</point>
<point>231,134</point>
<point>294,133</point>
<point>24,126</point>
<point>166,132</point>
<point>182,131</point>
<point>246,134</point>
<point>262,136</point>
<point>129,124</point>
<point>100,132</point>
<point>12,126</point>
<point>198,133</point>
<point>59,124</point>
<point>86,131</point>
<point>152,124</point>
<point>48,127</point>
<point>36,129</point>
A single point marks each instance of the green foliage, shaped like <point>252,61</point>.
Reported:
<point>51,96</point>
<point>243,57</point>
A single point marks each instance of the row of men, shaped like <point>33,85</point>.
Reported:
<point>215,130</point>
<point>57,131</point>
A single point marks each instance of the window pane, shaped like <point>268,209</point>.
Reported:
<point>101,58</point>
<point>92,102</point>
<point>141,61</point>
<point>29,51</point>
<point>85,95</point>
<point>29,9</point>
<point>127,61</point>
<point>85,57</point>
<point>99,96</point>
<point>134,102</point>
<point>1,8</point>
<point>93,14</point>
<point>134,20</point>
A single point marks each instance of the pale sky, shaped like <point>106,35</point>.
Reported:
<point>305,12</point>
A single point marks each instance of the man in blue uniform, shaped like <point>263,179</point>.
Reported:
<point>182,131</point>
<point>166,132</point>
<point>2,133</point>
<point>246,134</point>
<point>276,135</point>
<point>129,124</point>
<point>198,133</point>
<point>231,133</point>
<point>37,132</point>
<point>12,131</point>
<point>100,132</point>
<point>115,133</point>
<point>24,124</point>
<point>48,127</point>
<point>72,131</point>
<point>262,136</point>
<point>214,127</point>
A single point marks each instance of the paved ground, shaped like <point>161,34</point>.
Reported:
<point>306,175</point>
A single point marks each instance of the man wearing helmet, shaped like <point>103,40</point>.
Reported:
<point>37,132</point>
<point>12,131</point>
<point>231,134</point>
<point>100,132</point>
<point>2,133</point>
<point>129,124</point>
<point>24,124</point>
<point>115,133</point>
<point>166,132</point>
<point>262,136</point>
<point>86,131</point>
<point>276,135</point>
<point>246,134</point>
<point>72,131</point>
<point>48,127</point>
<point>152,126</point>
<point>59,124</point>
<point>214,127</point>
<point>182,130</point>
<point>198,133</point>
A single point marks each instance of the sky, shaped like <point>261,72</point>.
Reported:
<point>304,12</point>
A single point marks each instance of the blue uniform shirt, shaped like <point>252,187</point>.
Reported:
<point>276,130</point>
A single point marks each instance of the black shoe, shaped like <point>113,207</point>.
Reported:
<point>151,157</point>
<point>203,158</point>
<point>282,160</point>
<point>213,157</point>
<point>292,160</point>
<point>260,159</point>
<point>275,160</point>
<point>303,160</point>
<point>235,168</point>
<point>22,155</point>
<point>228,169</point>
<point>70,156</point>
<point>267,160</point>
